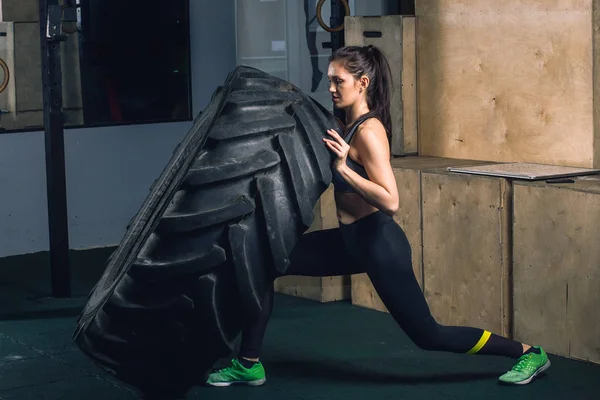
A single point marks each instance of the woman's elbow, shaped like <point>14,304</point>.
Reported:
<point>392,207</point>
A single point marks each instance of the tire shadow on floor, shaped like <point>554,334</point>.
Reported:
<point>346,372</point>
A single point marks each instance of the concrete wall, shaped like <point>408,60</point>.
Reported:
<point>104,191</point>
<point>366,8</point>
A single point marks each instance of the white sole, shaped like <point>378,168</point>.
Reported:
<point>257,382</point>
<point>532,377</point>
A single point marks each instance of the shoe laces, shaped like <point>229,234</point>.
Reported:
<point>227,370</point>
<point>522,363</point>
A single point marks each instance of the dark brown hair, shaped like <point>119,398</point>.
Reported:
<point>371,62</point>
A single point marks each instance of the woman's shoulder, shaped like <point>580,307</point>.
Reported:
<point>371,123</point>
<point>370,128</point>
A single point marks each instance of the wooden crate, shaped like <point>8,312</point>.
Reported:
<point>407,171</point>
<point>531,96</point>
<point>28,74</point>
<point>466,249</point>
<point>19,10</point>
<point>7,54</point>
<point>398,43</point>
<point>557,267</point>
<point>321,289</point>
<point>24,98</point>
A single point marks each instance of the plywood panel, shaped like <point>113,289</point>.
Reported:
<point>28,65</point>
<point>596,80</point>
<point>8,96</point>
<point>428,162</point>
<point>28,74</point>
<point>409,86</point>
<point>513,6</point>
<point>465,249</point>
<point>334,288</point>
<point>408,215</point>
<point>557,267</point>
<point>319,289</point>
<point>328,214</point>
<point>363,294</point>
<point>501,84</point>
<point>19,10</point>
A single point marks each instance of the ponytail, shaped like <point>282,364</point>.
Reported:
<point>371,62</point>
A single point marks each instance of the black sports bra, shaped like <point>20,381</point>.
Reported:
<point>339,183</point>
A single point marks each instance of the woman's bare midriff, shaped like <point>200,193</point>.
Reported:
<point>351,207</point>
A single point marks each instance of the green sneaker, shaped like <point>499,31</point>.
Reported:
<point>237,374</point>
<point>528,367</point>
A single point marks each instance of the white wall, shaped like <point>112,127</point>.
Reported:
<point>109,170</point>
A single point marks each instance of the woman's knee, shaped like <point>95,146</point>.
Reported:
<point>428,341</point>
<point>427,335</point>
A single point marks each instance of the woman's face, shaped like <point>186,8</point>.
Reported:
<point>344,88</point>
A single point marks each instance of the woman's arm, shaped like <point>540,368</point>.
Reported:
<point>380,189</point>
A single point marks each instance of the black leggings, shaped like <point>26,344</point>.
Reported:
<point>377,245</point>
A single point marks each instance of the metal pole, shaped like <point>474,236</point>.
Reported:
<point>50,38</point>
<point>336,19</point>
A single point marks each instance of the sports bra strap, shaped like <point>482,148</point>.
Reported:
<point>354,128</point>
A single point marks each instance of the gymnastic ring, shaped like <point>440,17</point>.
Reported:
<point>4,83</point>
<point>320,19</point>
<point>65,30</point>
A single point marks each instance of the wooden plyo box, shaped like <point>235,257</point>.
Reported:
<point>408,174</point>
<point>23,99</point>
<point>395,36</point>
<point>466,249</point>
<point>321,289</point>
<point>7,55</point>
<point>19,10</point>
<point>531,96</point>
<point>28,66</point>
<point>557,267</point>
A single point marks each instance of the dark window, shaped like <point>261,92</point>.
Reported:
<point>134,61</point>
<point>124,62</point>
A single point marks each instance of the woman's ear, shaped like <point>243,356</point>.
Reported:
<point>364,82</point>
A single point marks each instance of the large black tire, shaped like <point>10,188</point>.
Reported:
<point>221,219</point>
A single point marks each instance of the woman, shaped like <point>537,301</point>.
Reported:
<point>368,239</point>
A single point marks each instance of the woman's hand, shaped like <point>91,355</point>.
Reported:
<point>339,146</point>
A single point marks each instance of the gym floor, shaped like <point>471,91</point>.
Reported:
<point>311,351</point>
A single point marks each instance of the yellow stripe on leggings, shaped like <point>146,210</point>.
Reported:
<point>482,341</point>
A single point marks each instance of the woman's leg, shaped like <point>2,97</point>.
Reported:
<point>391,272</point>
<point>318,253</point>
<point>254,331</point>
<point>386,251</point>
